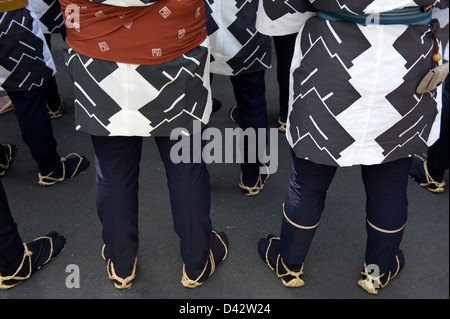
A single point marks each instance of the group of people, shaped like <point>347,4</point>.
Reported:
<point>348,73</point>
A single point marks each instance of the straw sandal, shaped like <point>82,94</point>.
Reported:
<point>10,150</point>
<point>71,165</point>
<point>282,125</point>
<point>119,282</point>
<point>255,190</point>
<point>59,112</point>
<point>372,284</point>
<point>36,254</point>
<point>219,241</point>
<point>424,177</point>
<point>269,249</point>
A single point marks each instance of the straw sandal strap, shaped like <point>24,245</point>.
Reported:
<point>223,243</point>
<point>78,165</point>
<point>252,191</point>
<point>3,285</point>
<point>282,127</point>
<point>297,281</point>
<point>103,252</point>
<point>48,180</point>
<point>9,157</point>
<point>374,283</point>
<point>189,283</point>
<point>438,187</point>
<point>59,112</point>
<point>267,252</point>
<point>120,283</point>
<point>29,254</point>
<point>51,249</point>
<point>255,190</point>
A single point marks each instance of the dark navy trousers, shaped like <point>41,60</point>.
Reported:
<point>36,127</point>
<point>386,209</point>
<point>285,47</point>
<point>250,95</point>
<point>11,246</point>
<point>117,172</point>
<point>438,153</point>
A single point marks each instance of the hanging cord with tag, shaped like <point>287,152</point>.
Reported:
<point>437,57</point>
<point>436,76</point>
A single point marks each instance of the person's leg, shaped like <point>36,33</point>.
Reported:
<point>303,208</point>
<point>284,46</point>
<point>301,215</point>
<point>11,246</point>
<point>438,153</point>
<point>117,172</point>
<point>190,201</point>
<point>37,133</point>
<point>250,94</point>
<point>216,103</point>
<point>429,172</point>
<point>55,103</point>
<point>7,152</point>
<point>19,260</point>
<point>36,128</point>
<point>387,210</point>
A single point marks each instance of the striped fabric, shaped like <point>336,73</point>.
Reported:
<point>410,16</point>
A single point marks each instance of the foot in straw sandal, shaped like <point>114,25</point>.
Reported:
<point>6,159</point>
<point>71,165</point>
<point>5,105</point>
<point>56,112</point>
<point>254,188</point>
<point>218,252</point>
<point>269,251</point>
<point>36,254</point>
<point>120,280</point>
<point>372,283</point>
<point>420,172</point>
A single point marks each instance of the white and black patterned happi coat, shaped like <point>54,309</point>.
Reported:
<point>25,60</point>
<point>236,46</point>
<point>120,99</point>
<point>353,87</point>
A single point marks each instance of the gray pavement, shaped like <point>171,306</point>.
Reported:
<point>331,269</point>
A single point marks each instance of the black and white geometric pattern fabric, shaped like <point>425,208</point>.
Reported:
<point>120,99</point>
<point>49,14</point>
<point>282,17</point>
<point>353,87</point>
<point>236,46</point>
<point>25,60</point>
